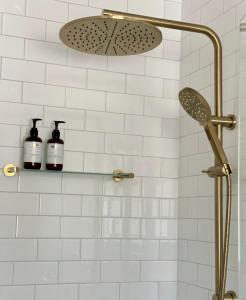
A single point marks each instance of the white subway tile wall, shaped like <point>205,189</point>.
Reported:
<point>196,203</point>
<point>86,237</point>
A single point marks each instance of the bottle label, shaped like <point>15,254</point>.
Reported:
<point>55,153</point>
<point>33,152</point>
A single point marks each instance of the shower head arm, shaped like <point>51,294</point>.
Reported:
<point>185,26</point>
<point>166,23</point>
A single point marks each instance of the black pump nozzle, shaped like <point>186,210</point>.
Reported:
<point>56,132</point>
<point>34,130</point>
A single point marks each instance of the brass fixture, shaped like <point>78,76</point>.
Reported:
<point>119,175</point>
<point>218,120</point>
<point>109,36</point>
<point>197,107</point>
<point>11,170</point>
<point>229,122</point>
<point>220,171</point>
<point>228,296</point>
<point>243,27</point>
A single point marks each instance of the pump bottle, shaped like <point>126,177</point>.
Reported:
<point>33,149</point>
<point>55,150</point>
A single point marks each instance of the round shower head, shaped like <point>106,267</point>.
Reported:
<point>195,105</point>
<point>104,35</point>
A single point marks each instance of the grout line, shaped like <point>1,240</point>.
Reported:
<point>141,183</point>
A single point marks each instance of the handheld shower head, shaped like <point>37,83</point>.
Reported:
<point>195,105</point>
<point>198,108</point>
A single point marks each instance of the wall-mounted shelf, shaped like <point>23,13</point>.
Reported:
<point>11,170</point>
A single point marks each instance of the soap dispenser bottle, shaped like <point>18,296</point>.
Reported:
<point>33,148</point>
<point>55,150</point>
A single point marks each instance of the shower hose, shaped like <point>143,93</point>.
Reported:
<point>226,236</point>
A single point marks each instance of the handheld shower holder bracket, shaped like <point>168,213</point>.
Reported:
<point>218,171</point>
<point>230,295</point>
<point>230,121</point>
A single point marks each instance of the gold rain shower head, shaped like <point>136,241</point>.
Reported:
<point>104,35</point>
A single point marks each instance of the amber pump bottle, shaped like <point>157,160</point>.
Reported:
<point>55,150</point>
<point>33,149</point>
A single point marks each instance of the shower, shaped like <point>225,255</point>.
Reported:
<point>118,34</point>
<point>198,108</point>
